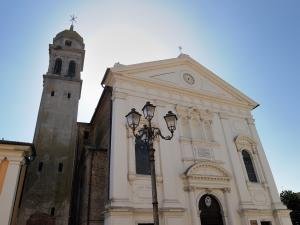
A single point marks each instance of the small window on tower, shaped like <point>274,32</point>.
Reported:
<point>85,134</point>
<point>69,95</point>
<point>68,43</point>
<point>52,93</point>
<point>57,66</point>
<point>60,167</point>
<point>52,211</point>
<point>72,69</point>
<point>40,166</point>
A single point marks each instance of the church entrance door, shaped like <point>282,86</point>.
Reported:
<point>210,211</point>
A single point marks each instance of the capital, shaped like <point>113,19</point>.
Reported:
<point>119,95</point>
<point>250,120</point>
<point>223,115</point>
<point>226,190</point>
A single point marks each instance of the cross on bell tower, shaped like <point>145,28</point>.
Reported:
<point>73,20</point>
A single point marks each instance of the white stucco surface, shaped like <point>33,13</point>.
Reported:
<point>14,154</point>
<point>204,157</point>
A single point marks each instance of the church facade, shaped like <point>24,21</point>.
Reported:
<point>214,170</point>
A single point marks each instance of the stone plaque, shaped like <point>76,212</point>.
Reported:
<point>201,152</point>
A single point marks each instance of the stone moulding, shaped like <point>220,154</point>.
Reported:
<point>206,174</point>
<point>244,142</point>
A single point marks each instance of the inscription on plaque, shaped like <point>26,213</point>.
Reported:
<point>201,152</point>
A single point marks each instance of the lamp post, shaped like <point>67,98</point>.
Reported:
<point>147,134</point>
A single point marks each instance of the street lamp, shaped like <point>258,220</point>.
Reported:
<point>147,134</point>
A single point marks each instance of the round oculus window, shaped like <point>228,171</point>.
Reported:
<point>188,78</point>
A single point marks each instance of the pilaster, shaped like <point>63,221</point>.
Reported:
<point>266,170</point>
<point>119,186</point>
<point>9,188</point>
<point>236,169</point>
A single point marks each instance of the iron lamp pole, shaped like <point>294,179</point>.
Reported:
<point>147,134</point>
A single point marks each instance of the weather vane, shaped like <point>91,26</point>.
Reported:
<point>180,49</point>
<point>73,19</point>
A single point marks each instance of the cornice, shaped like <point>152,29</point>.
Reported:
<point>60,77</point>
<point>204,95</point>
<point>187,61</point>
<point>118,95</point>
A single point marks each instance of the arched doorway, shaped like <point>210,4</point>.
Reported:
<point>210,211</point>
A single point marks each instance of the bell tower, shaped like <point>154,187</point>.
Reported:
<point>47,189</point>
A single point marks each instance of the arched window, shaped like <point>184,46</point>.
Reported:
<point>57,66</point>
<point>210,210</point>
<point>142,164</point>
<point>72,69</point>
<point>249,166</point>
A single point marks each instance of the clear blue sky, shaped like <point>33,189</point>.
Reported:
<point>253,45</point>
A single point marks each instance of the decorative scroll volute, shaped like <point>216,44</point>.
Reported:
<point>182,112</point>
<point>194,114</point>
<point>206,115</point>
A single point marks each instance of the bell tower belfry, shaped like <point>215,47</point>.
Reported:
<point>47,189</point>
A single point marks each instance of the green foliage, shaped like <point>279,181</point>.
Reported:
<point>290,199</point>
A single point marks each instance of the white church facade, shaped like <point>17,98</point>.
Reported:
<point>213,172</point>
<point>216,152</point>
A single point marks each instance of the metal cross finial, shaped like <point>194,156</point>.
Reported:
<point>73,19</point>
<point>180,49</point>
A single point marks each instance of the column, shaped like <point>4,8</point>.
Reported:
<point>229,208</point>
<point>157,161</point>
<point>119,186</point>
<point>257,164</point>
<point>170,162</point>
<point>194,207</point>
<point>234,161</point>
<point>9,189</point>
<point>131,155</point>
<point>265,167</point>
<point>181,114</point>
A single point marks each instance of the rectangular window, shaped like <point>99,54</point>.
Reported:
<point>60,167</point>
<point>265,223</point>
<point>86,135</point>
<point>40,166</point>
<point>52,93</point>
<point>52,211</point>
<point>142,158</point>
<point>253,222</point>
<point>68,43</point>
<point>69,95</point>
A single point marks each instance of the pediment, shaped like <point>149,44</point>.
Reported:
<point>206,175</point>
<point>182,74</point>
<point>207,170</point>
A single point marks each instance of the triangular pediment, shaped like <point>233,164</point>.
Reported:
<point>182,74</point>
